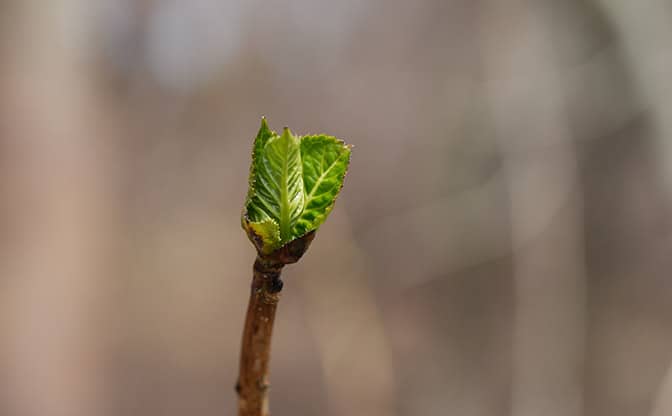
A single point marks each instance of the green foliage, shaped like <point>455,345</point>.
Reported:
<point>293,185</point>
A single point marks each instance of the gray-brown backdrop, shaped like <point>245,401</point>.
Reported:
<point>501,247</point>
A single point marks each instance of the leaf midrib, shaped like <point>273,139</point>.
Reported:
<point>285,211</point>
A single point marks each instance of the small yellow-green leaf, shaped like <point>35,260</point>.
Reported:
<point>265,235</point>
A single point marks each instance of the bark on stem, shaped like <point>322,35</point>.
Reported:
<point>255,354</point>
<point>252,386</point>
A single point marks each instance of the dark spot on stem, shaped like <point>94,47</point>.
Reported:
<point>275,285</point>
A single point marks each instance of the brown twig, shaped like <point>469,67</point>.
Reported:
<point>252,386</point>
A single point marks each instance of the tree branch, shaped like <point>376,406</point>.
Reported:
<point>252,386</point>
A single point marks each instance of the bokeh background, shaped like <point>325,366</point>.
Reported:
<point>502,245</point>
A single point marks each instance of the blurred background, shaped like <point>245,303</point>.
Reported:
<point>502,245</point>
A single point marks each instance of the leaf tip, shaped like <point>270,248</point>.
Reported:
<point>264,125</point>
<point>287,134</point>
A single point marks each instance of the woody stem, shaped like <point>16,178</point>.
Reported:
<point>252,386</point>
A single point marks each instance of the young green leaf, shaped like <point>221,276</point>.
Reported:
<point>325,162</point>
<point>294,182</point>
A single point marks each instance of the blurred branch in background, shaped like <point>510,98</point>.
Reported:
<point>528,109</point>
<point>343,314</point>
<point>644,29</point>
<point>57,204</point>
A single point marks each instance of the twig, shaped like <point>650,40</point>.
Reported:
<point>252,386</point>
